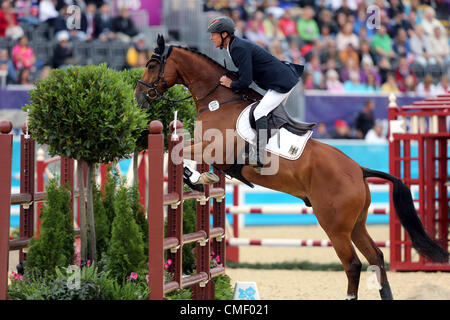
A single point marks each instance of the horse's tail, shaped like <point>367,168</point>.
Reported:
<point>406,212</point>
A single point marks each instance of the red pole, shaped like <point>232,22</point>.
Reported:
<point>219,217</point>
<point>203,291</point>
<point>156,211</point>
<point>27,185</point>
<point>6,139</point>
<point>175,214</point>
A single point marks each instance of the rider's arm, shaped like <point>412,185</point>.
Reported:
<point>243,59</point>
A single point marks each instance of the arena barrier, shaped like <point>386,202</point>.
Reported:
<point>424,123</point>
<point>205,236</point>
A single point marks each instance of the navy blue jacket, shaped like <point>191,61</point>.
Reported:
<point>258,65</point>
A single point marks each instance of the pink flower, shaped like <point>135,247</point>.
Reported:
<point>88,263</point>
<point>169,262</point>
<point>147,277</point>
<point>218,258</point>
<point>133,275</point>
<point>166,266</point>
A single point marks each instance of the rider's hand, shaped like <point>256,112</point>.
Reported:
<point>225,81</point>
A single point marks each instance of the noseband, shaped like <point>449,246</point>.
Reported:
<point>152,91</point>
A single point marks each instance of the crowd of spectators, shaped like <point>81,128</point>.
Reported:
<point>400,47</point>
<point>93,23</point>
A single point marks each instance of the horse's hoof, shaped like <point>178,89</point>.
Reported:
<point>208,178</point>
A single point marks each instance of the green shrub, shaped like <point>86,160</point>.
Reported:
<point>93,285</point>
<point>87,113</point>
<point>126,248</point>
<point>55,244</point>
<point>139,215</point>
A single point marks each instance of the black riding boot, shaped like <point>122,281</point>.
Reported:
<point>261,141</point>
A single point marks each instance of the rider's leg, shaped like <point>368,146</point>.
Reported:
<point>269,102</point>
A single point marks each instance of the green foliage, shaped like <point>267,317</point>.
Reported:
<point>139,214</point>
<point>223,288</point>
<point>163,111</point>
<point>126,248</point>
<point>87,113</point>
<point>112,179</point>
<point>55,245</point>
<point>93,285</point>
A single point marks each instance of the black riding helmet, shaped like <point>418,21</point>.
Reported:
<point>222,24</point>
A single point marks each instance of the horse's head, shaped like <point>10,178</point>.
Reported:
<point>159,76</point>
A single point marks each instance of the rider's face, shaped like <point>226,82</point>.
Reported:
<point>215,37</point>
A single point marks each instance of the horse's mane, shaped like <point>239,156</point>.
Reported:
<point>201,54</point>
<point>231,74</point>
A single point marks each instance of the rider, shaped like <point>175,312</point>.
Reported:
<point>258,65</point>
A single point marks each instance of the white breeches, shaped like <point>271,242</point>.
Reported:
<point>270,101</point>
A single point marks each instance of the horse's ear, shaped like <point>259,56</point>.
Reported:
<point>161,43</point>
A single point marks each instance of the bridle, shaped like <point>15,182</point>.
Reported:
<point>153,91</point>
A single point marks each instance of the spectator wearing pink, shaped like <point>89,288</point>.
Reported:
<point>288,25</point>
<point>332,82</point>
<point>23,55</point>
<point>346,37</point>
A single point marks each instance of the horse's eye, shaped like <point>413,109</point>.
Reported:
<point>151,66</point>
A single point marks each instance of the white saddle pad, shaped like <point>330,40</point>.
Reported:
<point>284,144</point>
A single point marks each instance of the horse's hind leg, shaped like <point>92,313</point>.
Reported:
<point>352,265</point>
<point>374,256</point>
<point>370,250</point>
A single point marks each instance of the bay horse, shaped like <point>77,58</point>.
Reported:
<point>323,176</point>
